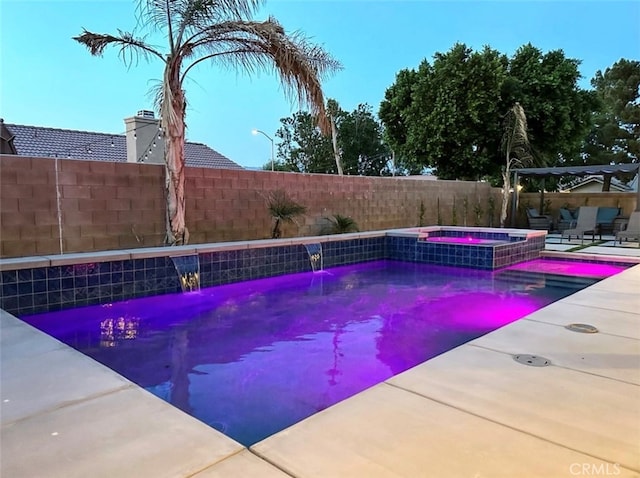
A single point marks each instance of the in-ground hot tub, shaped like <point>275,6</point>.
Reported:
<point>478,247</point>
<point>461,240</point>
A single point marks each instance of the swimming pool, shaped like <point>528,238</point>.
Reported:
<point>252,358</point>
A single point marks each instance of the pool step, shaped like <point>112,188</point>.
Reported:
<point>544,279</point>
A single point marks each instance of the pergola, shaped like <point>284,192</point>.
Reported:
<point>602,169</point>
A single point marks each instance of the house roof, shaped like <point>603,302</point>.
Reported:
<point>65,143</point>
<point>580,170</point>
<point>616,184</point>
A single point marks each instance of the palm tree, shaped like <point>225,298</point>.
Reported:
<point>334,110</point>
<point>219,31</point>
<point>341,224</point>
<point>515,146</point>
<point>283,209</point>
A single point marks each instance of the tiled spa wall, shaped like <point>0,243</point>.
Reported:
<point>516,247</point>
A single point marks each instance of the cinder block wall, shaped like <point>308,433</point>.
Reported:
<point>106,206</point>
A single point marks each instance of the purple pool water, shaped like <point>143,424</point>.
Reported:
<point>253,358</point>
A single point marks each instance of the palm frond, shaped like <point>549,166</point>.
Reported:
<point>180,17</point>
<point>199,14</point>
<point>155,95</point>
<point>282,207</point>
<point>515,140</point>
<point>342,224</point>
<point>155,14</point>
<point>130,48</point>
<point>264,46</point>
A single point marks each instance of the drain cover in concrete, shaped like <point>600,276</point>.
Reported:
<point>582,328</point>
<point>532,360</point>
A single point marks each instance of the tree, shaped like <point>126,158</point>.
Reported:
<point>334,112</point>
<point>278,165</point>
<point>363,151</point>
<point>615,136</point>
<point>448,114</point>
<point>303,147</point>
<point>207,30</point>
<point>393,110</point>
<point>357,144</point>
<point>516,149</point>
<point>559,113</point>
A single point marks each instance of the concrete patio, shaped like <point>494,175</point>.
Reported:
<point>471,412</point>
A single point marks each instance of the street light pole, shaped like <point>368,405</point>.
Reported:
<point>256,131</point>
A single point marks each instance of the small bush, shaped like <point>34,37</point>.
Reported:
<point>283,209</point>
<point>341,224</point>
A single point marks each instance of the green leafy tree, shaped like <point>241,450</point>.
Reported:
<point>361,143</point>
<point>393,111</point>
<point>450,119</point>
<point>615,136</point>
<point>448,115</point>
<point>222,32</point>
<point>303,147</point>
<point>278,165</point>
<point>559,113</point>
<point>358,142</point>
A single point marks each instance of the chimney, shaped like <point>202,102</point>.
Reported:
<point>144,139</point>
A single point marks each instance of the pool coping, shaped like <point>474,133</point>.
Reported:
<point>48,260</point>
<point>209,452</point>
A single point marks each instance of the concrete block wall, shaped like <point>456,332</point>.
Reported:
<point>107,206</point>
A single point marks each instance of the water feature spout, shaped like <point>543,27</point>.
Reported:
<point>315,256</point>
<point>188,269</point>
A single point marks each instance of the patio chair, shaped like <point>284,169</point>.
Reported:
<point>566,219</point>
<point>537,220</point>
<point>633,229</point>
<point>585,224</point>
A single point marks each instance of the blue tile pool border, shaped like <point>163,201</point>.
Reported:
<point>48,283</point>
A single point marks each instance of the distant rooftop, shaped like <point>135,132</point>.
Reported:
<point>616,184</point>
<point>65,143</point>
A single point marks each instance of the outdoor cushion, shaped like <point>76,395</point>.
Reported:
<point>606,215</point>
<point>566,215</point>
<point>533,212</point>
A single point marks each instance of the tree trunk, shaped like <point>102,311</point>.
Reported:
<point>606,183</point>
<point>275,234</point>
<point>173,129</point>
<point>506,186</point>
<point>334,141</point>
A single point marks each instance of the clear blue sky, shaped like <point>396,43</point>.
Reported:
<point>46,79</point>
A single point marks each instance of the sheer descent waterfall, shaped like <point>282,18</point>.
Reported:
<point>315,256</point>
<point>188,269</point>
